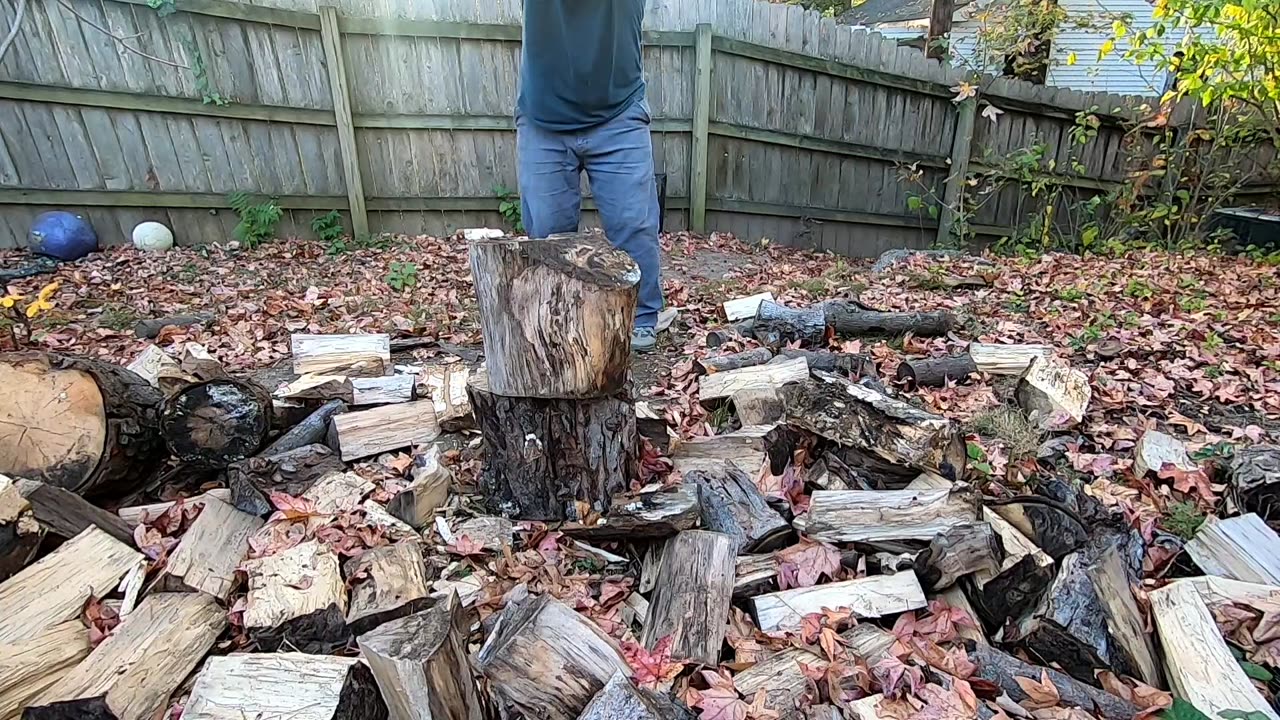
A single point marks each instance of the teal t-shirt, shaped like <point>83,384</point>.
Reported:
<point>581,64</point>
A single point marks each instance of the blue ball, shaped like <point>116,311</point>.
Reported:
<point>62,235</point>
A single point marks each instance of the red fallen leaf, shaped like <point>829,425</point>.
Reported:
<point>465,546</point>
<point>99,618</point>
<point>614,591</point>
<point>720,701</point>
<point>896,678</point>
<point>1190,482</point>
<point>653,669</point>
<point>758,711</point>
<point>943,622</point>
<point>943,704</point>
<point>1040,693</point>
<point>803,564</point>
<point>289,507</point>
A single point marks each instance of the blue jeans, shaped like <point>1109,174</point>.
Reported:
<point>618,158</point>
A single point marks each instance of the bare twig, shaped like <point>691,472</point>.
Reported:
<point>13,31</point>
<point>121,41</point>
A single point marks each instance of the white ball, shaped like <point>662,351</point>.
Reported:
<point>152,237</point>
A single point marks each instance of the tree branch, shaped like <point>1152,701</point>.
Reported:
<point>13,31</point>
<point>121,41</point>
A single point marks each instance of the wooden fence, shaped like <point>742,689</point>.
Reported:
<point>769,121</point>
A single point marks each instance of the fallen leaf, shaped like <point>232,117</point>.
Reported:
<point>1040,693</point>
<point>805,563</point>
<point>653,669</point>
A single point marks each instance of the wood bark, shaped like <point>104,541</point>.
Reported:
<point>421,666</point>
<point>297,599</point>
<point>1255,475</point>
<point>850,364</point>
<point>75,423</point>
<point>20,532</point>
<point>876,424</point>
<point>759,377</point>
<point>149,328</point>
<point>620,699</point>
<point>212,548</point>
<point>292,472</point>
<point>754,575</point>
<point>869,597</point>
<point>645,516</point>
<point>1199,665</point>
<point>213,424</point>
<point>745,448</point>
<point>296,686</point>
<point>692,596</point>
<point>1054,395</point>
<point>783,680</point>
<point>138,514</point>
<point>854,318</point>
<point>744,307</point>
<point>66,514</point>
<point>935,372</point>
<point>997,667</point>
<point>735,361</point>
<point>386,390</point>
<point>777,325</point>
<point>387,583</point>
<point>543,456</point>
<point>314,429</point>
<point>733,505</point>
<point>54,588</point>
<point>879,515</point>
<point>758,407</point>
<point>556,314</point>
<point>29,667</point>
<point>1006,359</point>
<point>1125,621</point>
<point>1240,548</point>
<point>958,551</point>
<point>416,504</point>
<point>352,355</point>
<point>389,427</point>
<point>547,660</point>
<point>132,673</point>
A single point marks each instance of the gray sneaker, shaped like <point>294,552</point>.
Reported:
<point>644,339</point>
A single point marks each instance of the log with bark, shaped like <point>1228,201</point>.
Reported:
<point>132,673</point>
<point>958,551</point>
<point>644,516</point>
<point>848,364</point>
<point>995,359</point>
<point>387,583</point>
<point>216,423</point>
<point>314,429</point>
<point>868,597</point>
<point>292,472</point>
<point>292,685</point>
<point>745,447</point>
<point>876,425</point>
<point>879,515</point>
<point>297,599</point>
<point>770,376</point>
<point>351,355</point>
<point>428,489</point>
<point>733,505</point>
<point>20,532</point>
<point>853,318</point>
<point>1240,548</point>
<point>1255,478</point>
<point>776,325</point>
<point>421,666</point>
<point>754,575</point>
<point>1054,395</point>
<point>389,427</point>
<point>784,681</point>
<point>621,699</point>
<point>1004,670</point>
<point>210,551</point>
<point>29,667</point>
<point>935,372</point>
<point>149,328</point>
<point>547,660</point>
<point>75,423</point>
<point>735,361</point>
<point>556,314</point>
<point>543,456</point>
<point>692,596</point>
<point>64,514</point>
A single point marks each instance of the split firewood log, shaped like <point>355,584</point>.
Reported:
<point>351,355</point>
<point>995,359</point>
<point>212,548</point>
<point>284,685</point>
<point>416,504</point>
<point>76,423</point>
<point>446,387</point>
<point>313,429</point>
<point>318,387</point>
<point>215,423</point>
<point>135,515</point>
<point>29,667</point>
<point>20,532</point>
<point>879,515</point>
<point>732,504</point>
<point>692,595</point>
<point>292,472</point>
<point>65,514</point>
<point>759,406</point>
<point>363,433</point>
<point>1255,477</point>
<point>869,597</point>
<point>297,599</point>
<point>1240,548</point>
<point>744,307</point>
<point>1054,395</point>
<point>958,551</point>
<point>387,583</point>
<point>746,447</point>
<point>784,681</point>
<point>645,516</point>
<point>1004,670</point>
<point>769,376</point>
<point>1156,449</point>
<point>621,698</point>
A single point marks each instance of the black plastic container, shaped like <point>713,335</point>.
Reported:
<point>1249,226</point>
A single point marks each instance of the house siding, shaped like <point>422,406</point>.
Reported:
<point>1114,73</point>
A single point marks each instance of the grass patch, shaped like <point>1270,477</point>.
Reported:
<point>813,286</point>
<point>117,317</point>
<point>1010,426</point>
<point>1183,519</point>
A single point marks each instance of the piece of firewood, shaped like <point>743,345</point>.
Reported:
<point>29,667</point>
<point>735,361</point>
<point>1199,665</point>
<point>1240,548</point>
<point>197,362</point>
<point>761,406</point>
<point>692,595</point>
<point>390,427</point>
<point>1005,359</point>
<point>776,325</point>
<point>77,423</point>
<point>544,456</point>
<point>297,599</point>
<point>20,532</point>
<point>318,387</point>
<point>935,372</point>
<point>491,532</point>
<point>744,307</point>
<point>760,377</point>
<point>421,666</point>
<point>338,492</point>
<point>876,424</point>
<point>131,674</point>
<point>744,447</point>
<point>387,583</point>
<point>732,504</point>
<point>161,370</point>
<point>1124,619</point>
<point>429,489</point>
<point>1054,395</point>
<point>386,390</point>
<point>351,355</point>
<point>276,686</point>
<point>556,314</point>
<point>1219,591</point>
<point>958,551</point>
<point>854,318</point>
<point>620,699</point>
<point>645,516</point>
<point>869,597</point>
<point>293,472</point>
<point>213,424</point>
<point>783,680</point>
<point>754,575</point>
<point>847,364</point>
<point>1156,449</point>
<point>66,514</point>
<point>446,386</point>
<point>313,429</point>
<point>547,660</point>
<point>54,588</point>
<point>394,528</point>
<point>212,548</point>
<point>875,515</point>
<point>1255,476</point>
<point>1003,670</point>
<point>149,328</point>
<point>137,514</point>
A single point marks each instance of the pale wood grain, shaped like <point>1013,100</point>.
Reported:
<point>140,513</point>
<point>297,582</point>
<point>1240,548</point>
<point>212,548</point>
<point>383,390</point>
<point>744,307</point>
<point>871,515</point>
<point>783,681</point>
<point>759,377</point>
<point>389,427</point>
<point>387,582</point>
<point>28,667</point>
<point>1005,359</point>
<point>692,595</point>
<point>868,597</point>
<point>353,355</point>
<point>280,686</point>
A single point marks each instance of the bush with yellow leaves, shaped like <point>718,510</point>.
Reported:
<point>15,312</point>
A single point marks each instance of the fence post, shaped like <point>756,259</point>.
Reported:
<point>331,39</point>
<point>701,123</point>
<point>960,150</point>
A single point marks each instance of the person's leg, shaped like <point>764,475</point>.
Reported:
<point>550,172</point>
<point>619,160</point>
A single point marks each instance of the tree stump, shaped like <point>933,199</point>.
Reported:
<point>216,423</point>
<point>544,455</point>
<point>76,423</point>
<point>556,314</point>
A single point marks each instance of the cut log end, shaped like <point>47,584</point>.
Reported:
<point>216,423</point>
